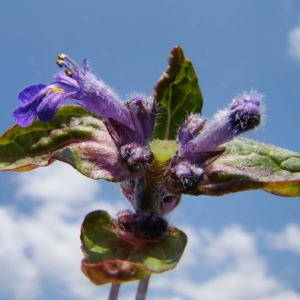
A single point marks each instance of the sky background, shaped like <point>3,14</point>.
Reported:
<point>244,246</point>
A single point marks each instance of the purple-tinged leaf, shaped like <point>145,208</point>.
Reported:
<point>248,164</point>
<point>114,256</point>
<point>74,136</point>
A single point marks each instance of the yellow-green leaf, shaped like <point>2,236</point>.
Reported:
<point>248,164</point>
<point>74,136</point>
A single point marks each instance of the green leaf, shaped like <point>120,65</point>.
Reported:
<point>247,165</point>
<point>178,94</point>
<point>114,256</point>
<point>74,136</point>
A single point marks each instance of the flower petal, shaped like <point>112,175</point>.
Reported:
<point>25,115</point>
<point>61,77</point>
<point>28,94</point>
<point>51,102</point>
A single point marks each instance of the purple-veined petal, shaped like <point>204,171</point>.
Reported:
<point>25,115</point>
<point>51,102</point>
<point>30,92</point>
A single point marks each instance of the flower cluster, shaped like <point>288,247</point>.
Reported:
<point>199,140</point>
<point>130,125</point>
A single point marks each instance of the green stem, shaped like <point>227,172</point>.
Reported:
<point>142,289</point>
<point>114,291</point>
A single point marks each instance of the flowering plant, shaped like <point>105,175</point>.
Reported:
<point>156,147</point>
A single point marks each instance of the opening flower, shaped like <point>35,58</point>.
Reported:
<point>130,123</point>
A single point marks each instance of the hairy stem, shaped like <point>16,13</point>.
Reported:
<point>142,289</point>
<point>114,291</point>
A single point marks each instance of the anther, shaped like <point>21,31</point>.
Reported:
<point>69,73</point>
<point>59,63</point>
<point>61,56</point>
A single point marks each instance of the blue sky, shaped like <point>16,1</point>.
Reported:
<point>242,246</point>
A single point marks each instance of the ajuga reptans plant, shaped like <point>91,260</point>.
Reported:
<point>154,160</point>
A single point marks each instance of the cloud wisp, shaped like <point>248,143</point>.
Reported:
<point>294,42</point>
<point>287,240</point>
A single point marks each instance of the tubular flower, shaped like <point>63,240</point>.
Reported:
<point>130,123</point>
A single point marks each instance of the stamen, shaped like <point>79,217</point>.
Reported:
<point>72,62</point>
<point>71,70</point>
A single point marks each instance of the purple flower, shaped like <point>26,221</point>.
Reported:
<point>130,123</point>
<point>77,84</point>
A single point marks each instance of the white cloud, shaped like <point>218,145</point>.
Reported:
<point>288,239</point>
<point>44,245</point>
<point>48,184</point>
<point>236,271</point>
<point>18,274</point>
<point>61,190</point>
<point>231,242</point>
<point>294,42</point>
